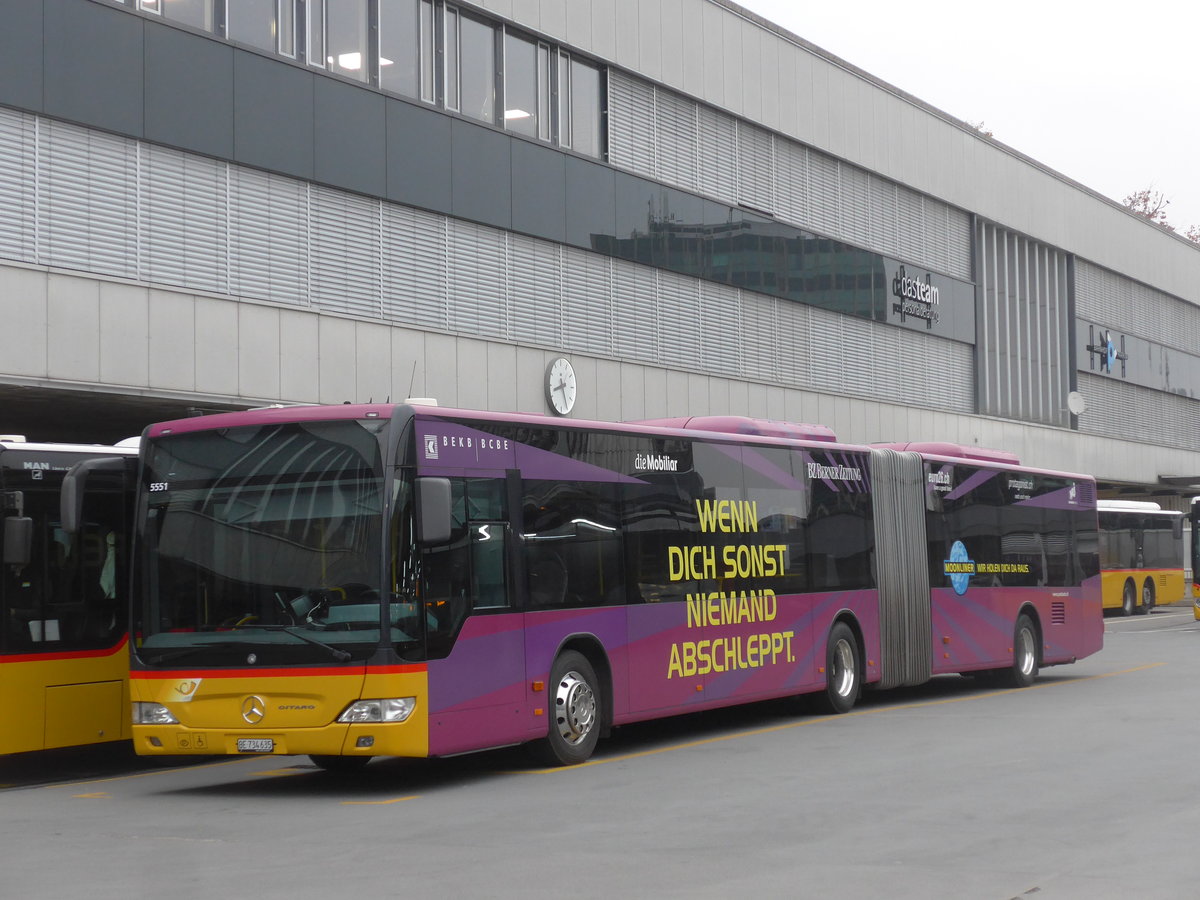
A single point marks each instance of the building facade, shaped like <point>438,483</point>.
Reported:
<point>225,203</point>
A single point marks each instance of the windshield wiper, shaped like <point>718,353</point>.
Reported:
<point>180,653</point>
<point>337,653</point>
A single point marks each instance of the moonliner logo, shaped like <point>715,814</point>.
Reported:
<point>645,462</point>
<point>834,473</point>
<point>917,298</point>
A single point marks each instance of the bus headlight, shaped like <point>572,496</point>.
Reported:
<point>152,714</point>
<point>393,709</point>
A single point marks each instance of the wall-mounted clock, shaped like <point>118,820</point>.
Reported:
<point>560,386</point>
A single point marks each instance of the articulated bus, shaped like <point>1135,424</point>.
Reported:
<point>408,580</point>
<point>1141,555</point>
<point>64,658</point>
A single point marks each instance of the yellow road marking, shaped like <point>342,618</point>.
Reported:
<point>377,802</point>
<point>99,795</point>
<point>819,719</point>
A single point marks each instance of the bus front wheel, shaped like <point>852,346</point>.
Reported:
<point>1128,599</point>
<point>842,671</point>
<point>574,698</point>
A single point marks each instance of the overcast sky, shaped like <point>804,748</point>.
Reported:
<point>1102,92</point>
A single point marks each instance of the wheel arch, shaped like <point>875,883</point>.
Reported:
<point>592,649</point>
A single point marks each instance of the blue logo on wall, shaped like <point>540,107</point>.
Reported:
<point>960,567</point>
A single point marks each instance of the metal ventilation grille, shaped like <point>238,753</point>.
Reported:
<point>1058,613</point>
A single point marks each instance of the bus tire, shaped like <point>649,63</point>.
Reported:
<point>1147,597</point>
<point>843,674</point>
<point>1024,670</point>
<point>340,765</point>
<point>1128,599</point>
<point>575,705</point>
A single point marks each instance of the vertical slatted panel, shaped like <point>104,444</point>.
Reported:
<point>902,568</point>
<point>791,193</point>
<point>631,138</point>
<point>855,206</point>
<point>535,290</point>
<point>268,237</point>
<point>18,186</point>
<point>756,167</point>
<point>587,301</point>
<point>635,308</point>
<point>721,339</point>
<point>678,139</point>
<point>761,337</point>
<point>344,239</point>
<point>824,192</point>
<point>719,161</point>
<point>681,325</point>
<point>478,269</point>
<point>414,268</point>
<point>88,204</point>
<point>184,219</point>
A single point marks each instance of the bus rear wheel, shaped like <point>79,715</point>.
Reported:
<point>1147,597</point>
<point>575,706</point>
<point>843,677</point>
<point>1128,599</point>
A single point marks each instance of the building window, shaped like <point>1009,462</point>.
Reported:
<point>257,23</point>
<point>400,46</point>
<point>580,103</point>
<point>477,69</point>
<point>315,29</point>
<point>346,39</point>
<point>523,89</point>
<point>207,15</point>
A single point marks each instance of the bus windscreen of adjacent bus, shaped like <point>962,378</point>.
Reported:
<point>64,667</point>
<point>359,581</point>
<point>1141,555</point>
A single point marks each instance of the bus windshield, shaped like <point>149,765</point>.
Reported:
<point>262,544</point>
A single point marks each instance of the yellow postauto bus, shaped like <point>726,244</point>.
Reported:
<point>1141,555</point>
<point>64,650</point>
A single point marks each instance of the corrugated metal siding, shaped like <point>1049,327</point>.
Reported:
<point>651,133</point>
<point>1131,307</point>
<point>105,204</point>
<point>1022,327</point>
<point>1118,409</point>
<point>18,185</point>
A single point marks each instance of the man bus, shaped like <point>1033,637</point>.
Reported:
<point>64,658</point>
<point>366,580</point>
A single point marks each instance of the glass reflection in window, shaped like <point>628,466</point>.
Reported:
<point>254,22</point>
<point>346,38</point>
<point>585,108</point>
<point>521,88</point>
<point>477,67</point>
<point>400,47</point>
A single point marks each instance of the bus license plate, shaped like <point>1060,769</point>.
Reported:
<point>255,745</point>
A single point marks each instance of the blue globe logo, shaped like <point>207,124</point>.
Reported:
<point>959,579</point>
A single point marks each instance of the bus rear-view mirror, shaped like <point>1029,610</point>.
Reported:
<point>433,510</point>
<point>18,540</point>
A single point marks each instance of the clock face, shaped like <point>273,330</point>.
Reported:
<point>560,386</point>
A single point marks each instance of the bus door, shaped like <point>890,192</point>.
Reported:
<point>477,680</point>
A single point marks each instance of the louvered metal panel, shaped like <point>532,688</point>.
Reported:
<point>414,268</point>
<point>681,324</point>
<point>756,167</point>
<point>760,337</point>
<point>88,200</point>
<point>855,206</point>
<point>478,299</point>
<point>345,252</point>
<point>911,219</point>
<point>793,339</point>
<point>638,321</point>
<point>587,301</point>
<point>722,344</point>
<point>718,156</point>
<point>678,140</point>
<point>1118,409</point>
<point>184,223</point>
<point>901,568</point>
<point>1134,308</point>
<point>268,237</point>
<point>535,290</point>
<point>631,137</point>
<point>18,186</point>
<point>824,193</point>
<point>958,243</point>
<point>791,190</point>
<point>885,218</point>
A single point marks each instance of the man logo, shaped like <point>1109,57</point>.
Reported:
<point>253,709</point>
